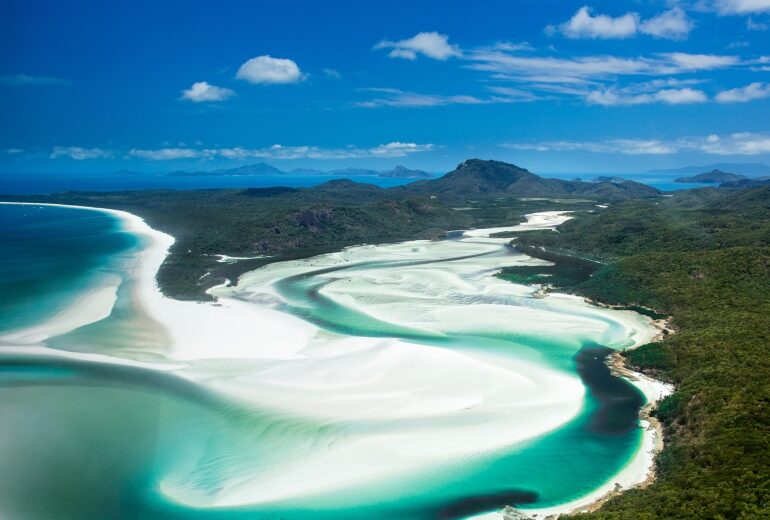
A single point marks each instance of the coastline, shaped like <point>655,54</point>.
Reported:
<point>175,316</point>
<point>640,471</point>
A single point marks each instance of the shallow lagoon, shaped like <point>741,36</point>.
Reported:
<point>401,380</point>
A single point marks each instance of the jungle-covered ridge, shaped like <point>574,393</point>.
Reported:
<point>703,257</point>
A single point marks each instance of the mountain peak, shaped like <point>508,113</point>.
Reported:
<point>476,178</point>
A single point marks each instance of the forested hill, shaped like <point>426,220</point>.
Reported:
<point>270,224</point>
<point>702,256</point>
<point>282,222</point>
<point>476,178</point>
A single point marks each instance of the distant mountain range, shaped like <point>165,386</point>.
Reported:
<point>737,168</point>
<point>476,178</point>
<point>712,177</point>
<point>400,172</point>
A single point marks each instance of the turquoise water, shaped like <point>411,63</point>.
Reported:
<point>49,255</point>
<point>81,439</point>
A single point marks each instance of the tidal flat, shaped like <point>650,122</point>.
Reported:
<point>401,379</point>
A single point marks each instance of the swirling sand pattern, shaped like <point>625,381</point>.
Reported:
<point>401,379</point>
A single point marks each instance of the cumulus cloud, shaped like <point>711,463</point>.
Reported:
<point>277,151</point>
<point>78,153</point>
<point>201,91</point>
<point>21,80</point>
<point>398,149</point>
<point>680,96</point>
<point>585,25</point>
<point>672,24</point>
<point>750,92</point>
<point>430,44</point>
<point>266,69</point>
<point>741,143</point>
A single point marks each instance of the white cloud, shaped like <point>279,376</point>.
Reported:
<point>753,25</point>
<point>740,143</point>
<point>78,153</point>
<point>201,91</point>
<point>165,154</point>
<point>750,92</point>
<point>742,6</point>
<point>511,95</point>
<point>511,46</point>
<point>604,79</point>
<point>398,149</point>
<point>266,69</point>
<point>584,25</point>
<point>399,98</point>
<point>692,62</point>
<point>21,80</point>
<point>680,96</point>
<point>584,68</point>
<point>609,97</point>
<point>332,73</point>
<point>430,44</point>
<point>277,151</point>
<point>391,97</point>
<point>621,146</point>
<point>13,151</point>
<point>672,24</point>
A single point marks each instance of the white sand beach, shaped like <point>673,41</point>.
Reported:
<point>247,347</point>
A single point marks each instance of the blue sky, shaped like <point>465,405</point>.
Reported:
<point>553,86</point>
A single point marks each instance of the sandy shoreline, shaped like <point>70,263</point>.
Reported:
<point>640,471</point>
<point>196,328</point>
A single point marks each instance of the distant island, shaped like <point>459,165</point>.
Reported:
<point>398,172</point>
<point>713,177</point>
<point>746,169</point>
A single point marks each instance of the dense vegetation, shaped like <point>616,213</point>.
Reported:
<point>483,179</point>
<point>281,223</point>
<point>704,257</point>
